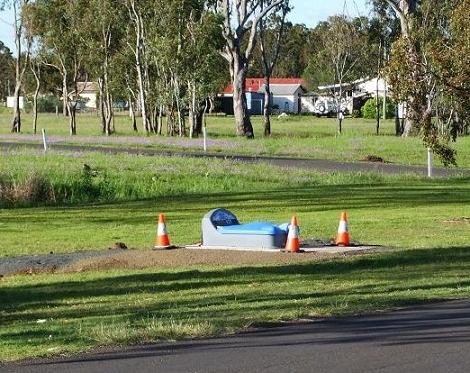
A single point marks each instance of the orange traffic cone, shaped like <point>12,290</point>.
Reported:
<point>293,242</point>
<point>162,241</point>
<point>342,238</point>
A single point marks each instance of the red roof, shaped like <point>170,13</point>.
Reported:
<point>255,84</point>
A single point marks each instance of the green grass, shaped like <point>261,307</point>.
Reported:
<point>301,136</point>
<point>80,311</point>
<point>130,191</point>
<point>84,310</point>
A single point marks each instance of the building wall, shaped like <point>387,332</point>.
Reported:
<point>285,103</point>
<point>11,102</point>
<point>288,103</point>
<point>307,103</point>
<point>91,100</point>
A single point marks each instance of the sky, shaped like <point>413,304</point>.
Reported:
<point>309,12</point>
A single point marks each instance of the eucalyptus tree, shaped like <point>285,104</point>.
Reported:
<point>201,65</point>
<point>271,32</point>
<point>7,70</point>
<point>21,58</point>
<point>342,57</point>
<point>59,28</point>
<point>241,20</point>
<point>103,22</point>
<point>451,59</point>
<point>411,71</point>
<point>140,16</point>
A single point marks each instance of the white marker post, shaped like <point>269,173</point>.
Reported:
<point>429,162</point>
<point>204,133</point>
<point>44,139</point>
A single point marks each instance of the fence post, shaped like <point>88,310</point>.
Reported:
<point>429,162</point>
<point>44,139</point>
<point>204,132</point>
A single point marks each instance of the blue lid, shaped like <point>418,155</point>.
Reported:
<point>257,227</point>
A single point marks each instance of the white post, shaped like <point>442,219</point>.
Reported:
<point>429,162</point>
<point>204,132</point>
<point>44,139</point>
<point>384,103</point>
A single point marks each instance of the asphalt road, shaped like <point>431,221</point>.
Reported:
<point>303,163</point>
<point>431,338</point>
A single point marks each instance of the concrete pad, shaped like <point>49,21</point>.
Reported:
<point>306,249</point>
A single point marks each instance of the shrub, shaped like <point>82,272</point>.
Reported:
<point>356,113</point>
<point>369,109</point>
<point>35,189</point>
<point>47,104</point>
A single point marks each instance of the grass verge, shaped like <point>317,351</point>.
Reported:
<point>50,314</point>
<point>128,192</point>
<point>299,136</point>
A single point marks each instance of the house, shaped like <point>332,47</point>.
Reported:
<point>356,93</point>
<point>286,97</point>
<point>285,93</point>
<point>11,102</point>
<point>89,91</point>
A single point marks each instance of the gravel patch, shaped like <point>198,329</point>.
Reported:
<point>129,140</point>
<point>140,259</point>
<point>30,264</point>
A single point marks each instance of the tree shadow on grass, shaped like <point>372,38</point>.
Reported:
<point>196,292</point>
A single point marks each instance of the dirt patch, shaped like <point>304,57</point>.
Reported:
<point>462,220</point>
<point>373,158</point>
<point>139,259</point>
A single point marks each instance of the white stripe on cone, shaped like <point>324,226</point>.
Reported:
<point>161,229</point>
<point>343,226</point>
<point>293,232</point>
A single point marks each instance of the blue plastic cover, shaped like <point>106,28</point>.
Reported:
<point>257,227</point>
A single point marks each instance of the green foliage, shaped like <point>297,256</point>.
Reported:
<point>48,104</point>
<point>369,110</point>
<point>343,54</point>
<point>7,71</point>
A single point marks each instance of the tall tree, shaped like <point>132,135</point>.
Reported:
<point>240,27</point>
<point>343,57</point>
<point>137,11</point>
<point>405,11</point>
<point>21,60</point>
<point>412,73</point>
<point>58,26</point>
<point>104,21</point>
<point>7,70</point>
<point>270,46</point>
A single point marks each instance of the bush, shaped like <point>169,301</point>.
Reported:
<point>47,104</point>
<point>369,109</point>
<point>356,113</point>
<point>35,189</point>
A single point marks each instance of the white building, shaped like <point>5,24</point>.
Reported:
<point>286,97</point>
<point>89,92</point>
<point>355,93</point>
<point>11,102</point>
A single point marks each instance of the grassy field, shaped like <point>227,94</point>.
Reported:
<point>118,198</point>
<point>122,200</point>
<point>51,314</point>
<point>303,136</point>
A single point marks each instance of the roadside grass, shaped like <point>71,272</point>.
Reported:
<point>47,314</point>
<point>123,200</point>
<point>63,313</point>
<point>294,136</point>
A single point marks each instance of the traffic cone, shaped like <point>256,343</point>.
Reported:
<point>293,242</point>
<point>162,241</point>
<point>342,238</point>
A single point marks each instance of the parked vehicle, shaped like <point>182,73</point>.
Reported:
<point>324,106</point>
